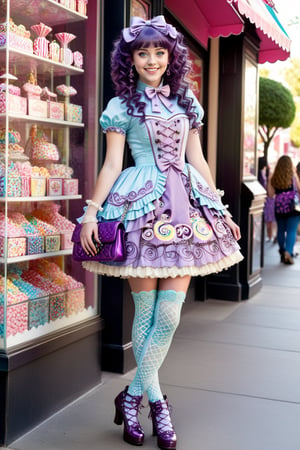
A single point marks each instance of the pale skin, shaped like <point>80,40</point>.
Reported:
<point>150,64</point>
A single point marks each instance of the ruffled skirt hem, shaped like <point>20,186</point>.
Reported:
<point>163,272</point>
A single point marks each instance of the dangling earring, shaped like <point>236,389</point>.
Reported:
<point>168,73</point>
<point>131,74</point>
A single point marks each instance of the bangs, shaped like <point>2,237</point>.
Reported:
<point>150,37</point>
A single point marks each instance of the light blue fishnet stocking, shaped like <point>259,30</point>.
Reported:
<point>156,345</point>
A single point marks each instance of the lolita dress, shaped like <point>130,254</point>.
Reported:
<point>174,222</point>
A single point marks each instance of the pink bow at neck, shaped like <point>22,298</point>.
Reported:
<point>159,95</point>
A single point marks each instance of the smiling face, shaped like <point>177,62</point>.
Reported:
<point>150,63</point>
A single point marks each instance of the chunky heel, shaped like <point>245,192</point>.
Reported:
<point>127,409</point>
<point>118,420</point>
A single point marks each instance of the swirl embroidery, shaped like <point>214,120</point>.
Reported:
<point>116,199</point>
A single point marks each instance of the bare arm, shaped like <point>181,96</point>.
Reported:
<point>196,158</point>
<point>109,172</point>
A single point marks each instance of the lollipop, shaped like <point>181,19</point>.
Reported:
<point>66,55</point>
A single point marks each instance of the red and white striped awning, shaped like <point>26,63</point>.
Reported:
<point>206,19</point>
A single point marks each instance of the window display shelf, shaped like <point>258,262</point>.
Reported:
<point>43,120</point>
<point>48,11</point>
<point>22,61</point>
<point>18,259</point>
<point>40,199</point>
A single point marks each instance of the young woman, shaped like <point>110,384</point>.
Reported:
<point>284,179</point>
<point>176,225</point>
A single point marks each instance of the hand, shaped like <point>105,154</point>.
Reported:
<point>234,227</point>
<point>89,231</point>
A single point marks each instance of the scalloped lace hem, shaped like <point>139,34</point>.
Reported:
<point>163,272</point>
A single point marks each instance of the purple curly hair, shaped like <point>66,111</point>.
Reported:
<point>125,88</point>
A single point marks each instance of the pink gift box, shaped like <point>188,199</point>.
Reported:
<point>16,104</point>
<point>38,186</point>
<point>37,107</point>
<point>70,186</point>
<point>65,240</point>
<point>56,110</point>
<point>16,246</point>
<point>17,318</point>
<point>73,113</point>
<point>75,301</point>
<point>54,186</point>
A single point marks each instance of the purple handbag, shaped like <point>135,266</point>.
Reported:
<point>112,247</point>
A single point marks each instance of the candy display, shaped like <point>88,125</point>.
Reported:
<point>12,103</point>
<point>33,229</point>
<point>78,59</point>
<point>73,113</point>
<point>14,136</point>
<point>70,186</point>
<point>16,242</point>
<point>42,149</point>
<point>19,37</point>
<point>81,6</point>
<point>54,186</point>
<point>66,91</point>
<point>37,108</point>
<point>41,44</point>
<point>54,51</point>
<point>35,242</point>
<point>14,295</point>
<point>37,186</point>
<point>55,108</point>
<point>66,55</point>
<point>38,312</point>
<point>75,300</point>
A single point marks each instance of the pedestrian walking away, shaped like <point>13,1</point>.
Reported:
<point>285,185</point>
<point>176,225</point>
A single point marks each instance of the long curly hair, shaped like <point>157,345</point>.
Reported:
<point>179,66</point>
<point>282,177</point>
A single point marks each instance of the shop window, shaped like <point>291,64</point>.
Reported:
<point>250,119</point>
<point>140,8</point>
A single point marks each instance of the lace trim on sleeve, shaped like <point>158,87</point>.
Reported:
<point>115,129</point>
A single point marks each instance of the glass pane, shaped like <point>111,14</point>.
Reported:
<point>140,8</point>
<point>46,157</point>
<point>196,74</point>
<point>250,119</point>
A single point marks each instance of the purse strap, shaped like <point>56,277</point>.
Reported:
<point>125,211</point>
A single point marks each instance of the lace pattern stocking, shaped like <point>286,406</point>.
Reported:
<point>156,345</point>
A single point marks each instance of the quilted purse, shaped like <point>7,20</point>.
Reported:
<point>112,246</point>
<point>287,201</point>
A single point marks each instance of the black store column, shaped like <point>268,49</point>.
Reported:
<point>226,285</point>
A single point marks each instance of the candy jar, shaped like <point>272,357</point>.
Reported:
<point>66,55</point>
<point>41,44</point>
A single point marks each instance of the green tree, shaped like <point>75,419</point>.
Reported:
<point>277,109</point>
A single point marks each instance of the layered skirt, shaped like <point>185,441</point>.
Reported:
<point>174,225</point>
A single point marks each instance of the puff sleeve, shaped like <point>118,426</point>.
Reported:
<point>115,117</point>
<point>197,108</point>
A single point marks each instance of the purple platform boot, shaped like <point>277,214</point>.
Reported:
<point>127,409</point>
<point>162,425</point>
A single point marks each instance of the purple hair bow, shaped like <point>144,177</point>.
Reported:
<point>158,23</point>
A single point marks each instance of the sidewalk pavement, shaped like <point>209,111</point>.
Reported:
<point>232,375</point>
